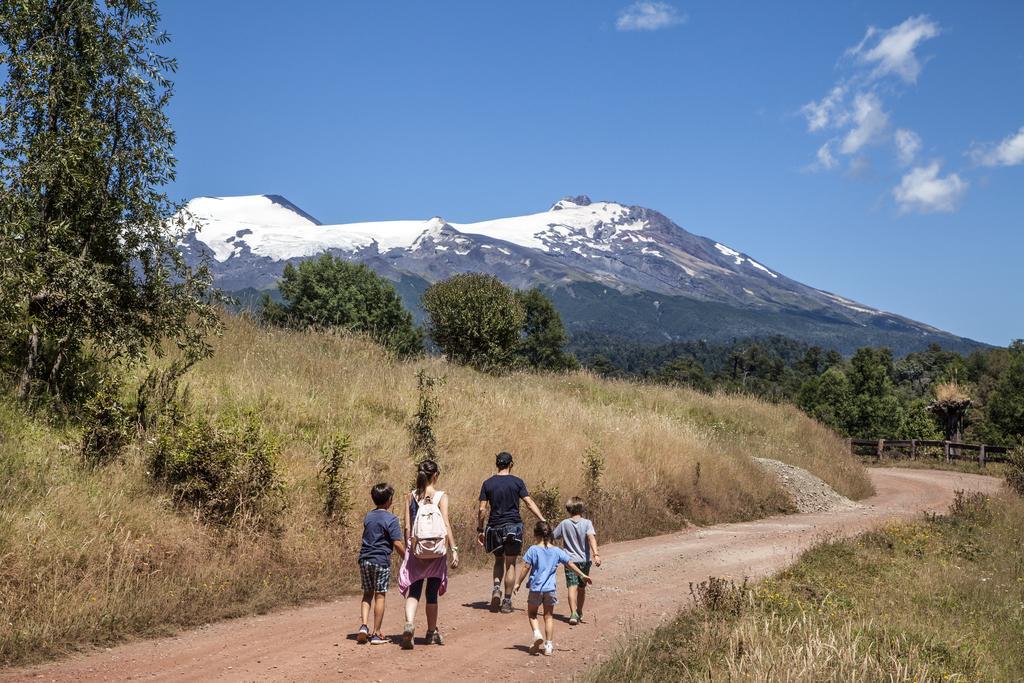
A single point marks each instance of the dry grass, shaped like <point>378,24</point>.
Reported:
<point>951,392</point>
<point>93,556</point>
<point>936,600</point>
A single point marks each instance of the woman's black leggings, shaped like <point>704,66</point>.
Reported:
<point>433,586</point>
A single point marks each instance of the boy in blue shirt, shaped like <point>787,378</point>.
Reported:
<point>541,563</point>
<point>381,534</point>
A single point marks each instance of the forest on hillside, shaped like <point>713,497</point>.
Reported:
<point>871,394</point>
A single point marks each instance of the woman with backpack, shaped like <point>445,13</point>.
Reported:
<point>425,567</point>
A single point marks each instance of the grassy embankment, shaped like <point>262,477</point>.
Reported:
<point>941,599</point>
<point>97,555</point>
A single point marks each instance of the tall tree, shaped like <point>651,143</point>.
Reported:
<point>91,272</point>
<point>1006,404</point>
<point>544,337</point>
<point>476,320</point>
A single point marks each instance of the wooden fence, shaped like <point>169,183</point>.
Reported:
<point>951,450</point>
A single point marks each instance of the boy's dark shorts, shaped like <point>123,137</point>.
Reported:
<point>572,579</point>
<point>506,539</point>
<point>375,577</point>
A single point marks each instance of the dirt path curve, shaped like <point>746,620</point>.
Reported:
<point>642,582</point>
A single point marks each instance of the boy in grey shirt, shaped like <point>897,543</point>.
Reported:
<point>580,540</point>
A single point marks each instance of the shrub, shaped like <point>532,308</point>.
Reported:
<point>332,292</point>
<point>1015,470</point>
<point>106,426</point>
<point>160,393</point>
<point>226,471</point>
<point>476,320</point>
<point>336,479</point>
<point>549,500</point>
<point>718,596</point>
<point>424,441</point>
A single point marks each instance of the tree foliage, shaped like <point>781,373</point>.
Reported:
<point>543,336</point>
<point>1006,405</point>
<point>476,320</point>
<point>332,292</point>
<point>90,274</point>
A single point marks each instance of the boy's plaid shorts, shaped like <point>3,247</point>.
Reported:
<point>375,577</point>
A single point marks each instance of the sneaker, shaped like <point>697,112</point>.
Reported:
<point>496,598</point>
<point>538,642</point>
<point>579,616</point>
<point>506,606</point>
<point>378,639</point>
<point>364,634</point>
<point>549,648</point>
<point>574,619</point>
<point>407,637</point>
<point>434,637</point>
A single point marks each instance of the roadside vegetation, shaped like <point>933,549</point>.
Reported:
<point>247,490</point>
<point>938,599</point>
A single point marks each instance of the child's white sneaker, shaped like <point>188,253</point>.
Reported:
<point>549,648</point>
<point>538,641</point>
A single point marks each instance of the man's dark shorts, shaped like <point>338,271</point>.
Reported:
<point>506,539</point>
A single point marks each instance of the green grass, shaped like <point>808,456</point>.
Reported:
<point>940,599</point>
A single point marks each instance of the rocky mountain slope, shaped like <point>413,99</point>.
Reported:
<point>616,269</point>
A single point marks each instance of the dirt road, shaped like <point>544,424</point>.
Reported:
<point>642,582</point>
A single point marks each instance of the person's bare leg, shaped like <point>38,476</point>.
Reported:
<point>364,607</point>
<point>571,592</point>
<point>531,613</point>
<point>581,597</point>
<point>510,574</point>
<point>410,610</point>
<point>549,622</point>
<point>379,600</point>
<point>431,611</point>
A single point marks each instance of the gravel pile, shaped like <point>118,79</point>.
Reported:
<point>809,493</point>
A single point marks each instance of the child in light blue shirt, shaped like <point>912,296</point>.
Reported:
<point>540,565</point>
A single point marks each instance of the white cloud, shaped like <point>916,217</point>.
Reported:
<point>649,16</point>
<point>922,189</point>
<point>908,144</point>
<point>826,111</point>
<point>891,51</point>
<point>1009,152</point>
<point>826,159</point>
<point>870,120</point>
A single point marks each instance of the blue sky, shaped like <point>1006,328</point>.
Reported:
<point>873,149</point>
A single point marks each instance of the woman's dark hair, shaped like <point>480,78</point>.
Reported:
<point>381,494</point>
<point>425,474</point>
<point>542,531</point>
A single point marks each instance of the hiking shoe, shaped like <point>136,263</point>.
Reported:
<point>364,634</point>
<point>378,639</point>
<point>506,606</point>
<point>579,616</point>
<point>574,619</point>
<point>549,648</point>
<point>496,598</point>
<point>407,637</point>
<point>538,642</point>
<point>434,637</point>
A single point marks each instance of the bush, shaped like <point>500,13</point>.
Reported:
<point>331,292</point>
<point>476,320</point>
<point>226,471</point>
<point>336,479</point>
<point>106,426</point>
<point>549,500</point>
<point>423,442</point>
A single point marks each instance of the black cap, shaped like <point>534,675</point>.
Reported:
<point>503,460</point>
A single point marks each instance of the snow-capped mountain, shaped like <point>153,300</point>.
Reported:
<point>587,255</point>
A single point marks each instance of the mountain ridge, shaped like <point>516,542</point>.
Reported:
<point>629,252</point>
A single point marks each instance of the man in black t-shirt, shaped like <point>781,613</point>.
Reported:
<point>503,533</point>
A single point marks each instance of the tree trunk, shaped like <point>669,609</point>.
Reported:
<point>31,355</point>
